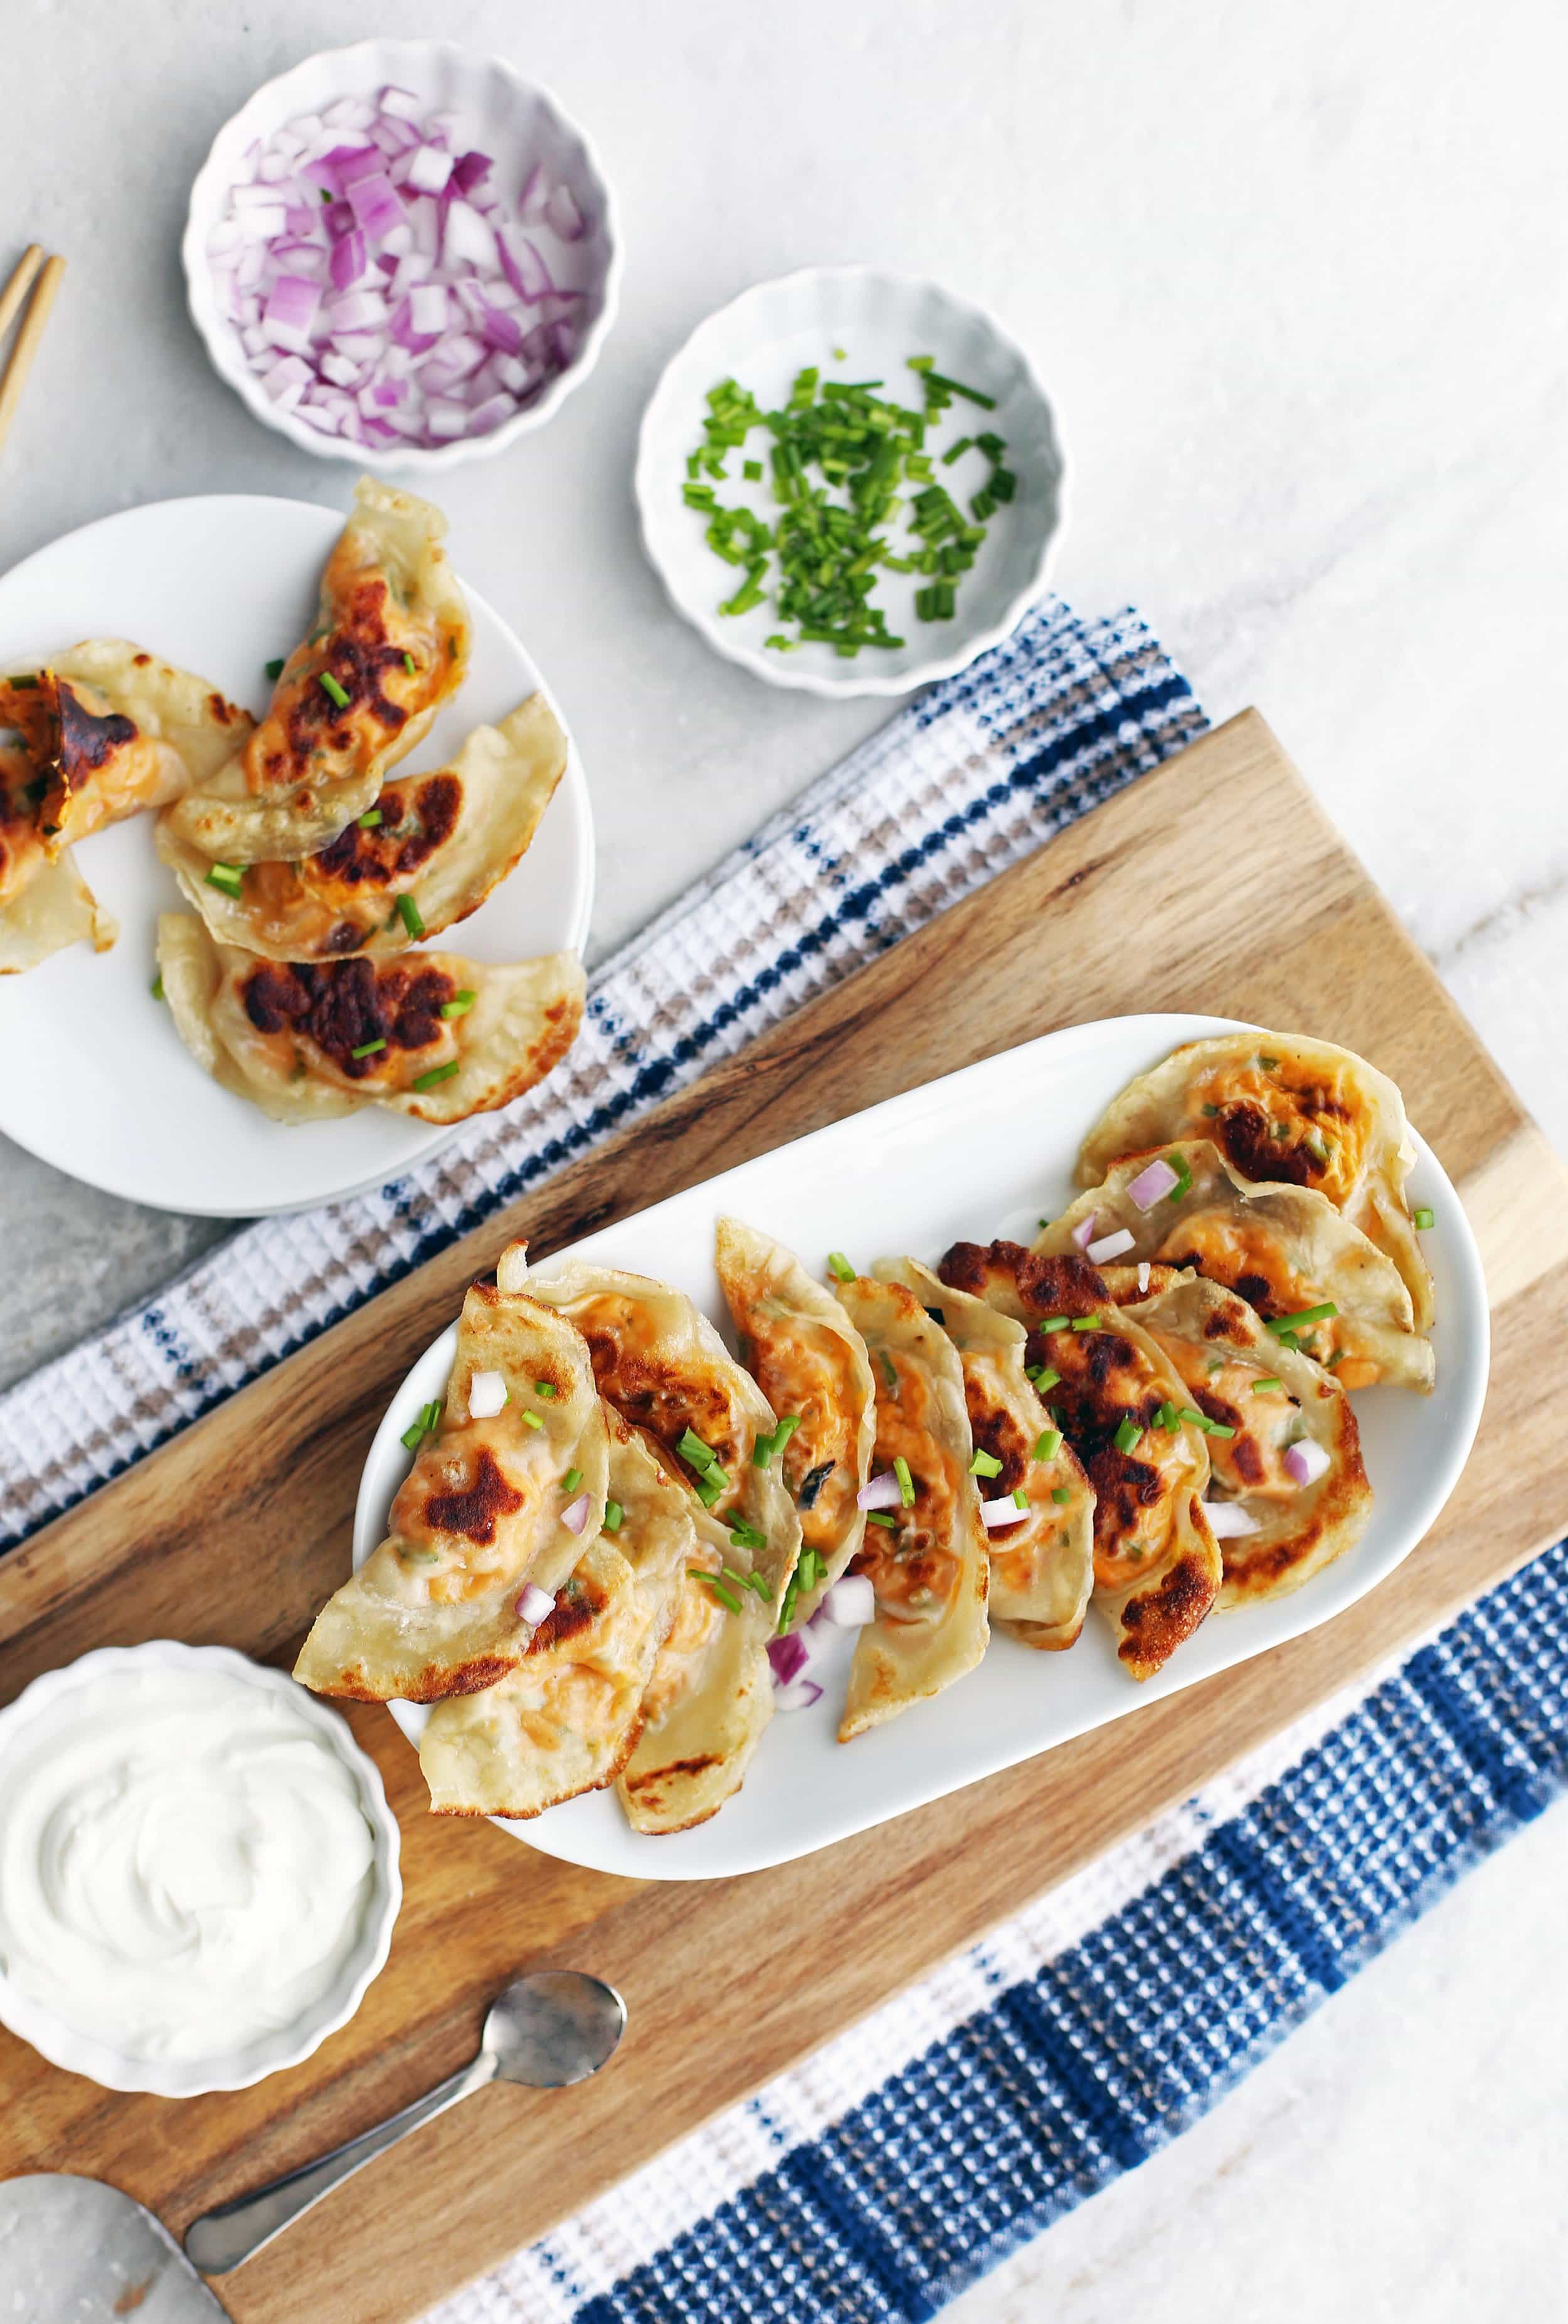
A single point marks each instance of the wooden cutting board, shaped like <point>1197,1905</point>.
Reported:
<point>1213,885</point>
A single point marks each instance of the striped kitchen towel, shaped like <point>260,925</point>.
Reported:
<point>961,783</point>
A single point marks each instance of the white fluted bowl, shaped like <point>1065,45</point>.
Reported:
<point>762,340</point>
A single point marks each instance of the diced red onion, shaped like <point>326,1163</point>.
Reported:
<point>882,1492</point>
<point>375,203</point>
<point>286,381</point>
<point>428,170</point>
<point>486,1395</point>
<point>575,1515</point>
<point>470,169</point>
<point>799,1695</point>
<point>535,1605</point>
<point>289,312</point>
<point>1153,1183</point>
<point>562,213</point>
<point>446,420</point>
<point>400,104</point>
<point>535,194</point>
<point>1306,1462</point>
<point>1003,1512</point>
<point>1110,1246</point>
<point>338,217</point>
<point>1142,1276</point>
<point>348,260</point>
<point>787,1657</point>
<point>851,1602</point>
<point>264,223</point>
<point>1228,1520</point>
<point>359,311</point>
<point>428,310</point>
<point>1084,1232</point>
<point>466,239</point>
<point>483,417</point>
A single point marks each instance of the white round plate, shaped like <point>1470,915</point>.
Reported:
<point>287,2045</point>
<point>96,1080</point>
<point>763,339</point>
<point>915,1175</point>
<point>514,120</point>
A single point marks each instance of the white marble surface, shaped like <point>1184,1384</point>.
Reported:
<point>1295,280</point>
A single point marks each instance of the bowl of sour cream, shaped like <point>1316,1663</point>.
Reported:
<point>199,1869</point>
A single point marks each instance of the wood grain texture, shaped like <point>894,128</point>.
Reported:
<point>1213,885</point>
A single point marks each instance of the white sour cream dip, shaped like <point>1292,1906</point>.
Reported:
<point>184,1863</point>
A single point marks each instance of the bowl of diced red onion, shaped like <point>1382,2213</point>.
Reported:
<point>403,254</point>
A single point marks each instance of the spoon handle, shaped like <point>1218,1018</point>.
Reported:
<point>221,2238</point>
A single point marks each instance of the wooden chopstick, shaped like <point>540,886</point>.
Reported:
<point>27,338</point>
<point>21,283</point>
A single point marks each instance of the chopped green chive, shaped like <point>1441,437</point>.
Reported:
<point>437,1073</point>
<point>1020,1500</point>
<point>531,1420</point>
<point>1054,1324</point>
<point>882,1517</point>
<point>1210,1113</point>
<point>691,1447</point>
<point>275,670</point>
<point>906,1483</point>
<point>333,691</point>
<point>890,1371</point>
<point>427,1423</point>
<point>226,877</point>
<point>984,1464</point>
<point>1425,1218</point>
<point>1042,1377</point>
<point>1061,1493</point>
<point>711,1486</point>
<point>837,1265</point>
<point>369,1049</point>
<point>571,1481</point>
<point>1266,1387</point>
<point>1200,1420</point>
<point>411,665</point>
<point>1047,1444</point>
<point>1088,1323</point>
<point>459,1004</point>
<point>1178,1162</point>
<point>1289,1339</point>
<point>812,1568</point>
<point>412,1437</point>
<point>409,913</point>
<point>725,1597</point>
<point>371,819</point>
<point>158,986</point>
<point>746,1536</point>
<point>1270,1064</point>
<point>613,1513</point>
<point>1318,1314</point>
<point>1168,1418</point>
<point>547,1389</point>
<point>1126,1435</point>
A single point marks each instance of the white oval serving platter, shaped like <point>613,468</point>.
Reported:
<point>96,1080</point>
<point>986,1152</point>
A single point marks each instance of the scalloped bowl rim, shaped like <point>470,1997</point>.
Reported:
<point>778,672</point>
<point>221,339</point>
<point>62,2043</point>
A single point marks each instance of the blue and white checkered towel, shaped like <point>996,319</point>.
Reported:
<point>900,2161</point>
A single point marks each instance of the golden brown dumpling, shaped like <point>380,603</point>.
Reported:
<point>429,1033</point>
<point>1282,1109</point>
<point>1042,1564</point>
<point>1284,1249</point>
<point>1121,1405</point>
<point>1288,1492</point>
<point>811,1364</point>
<point>389,646</point>
<point>423,857</point>
<point>482,1513</point>
<point>566,1720</point>
<point>928,1559</point>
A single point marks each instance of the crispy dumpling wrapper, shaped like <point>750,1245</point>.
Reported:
<point>930,1568</point>
<point>44,905</point>
<point>710,1697</point>
<point>811,1364</point>
<point>1157,1569</point>
<point>1271,1398</point>
<point>444,840</point>
<point>389,644</point>
<point>285,1037</point>
<point>1282,1109</point>
<point>1042,1569</point>
<point>565,1721</point>
<point>1284,1249</point>
<point>434,1611</point>
<point>664,1367</point>
<point>126,731</point>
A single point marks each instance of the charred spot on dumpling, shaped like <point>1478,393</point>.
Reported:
<point>1245,1453</point>
<point>579,1602</point>
<point>342,1005</point>
<point>476,1509</point>
<point>223,711</point>
<point>996,1432</point>
<point>1246,1135</point>
<point>1065,1285</point>
<point>1156,1625</point>
<point>664,1398</point>
<point>88,739</point>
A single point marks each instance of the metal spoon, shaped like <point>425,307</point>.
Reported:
<point>549,2028</point>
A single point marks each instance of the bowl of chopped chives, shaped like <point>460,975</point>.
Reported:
<point>850,482</point>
